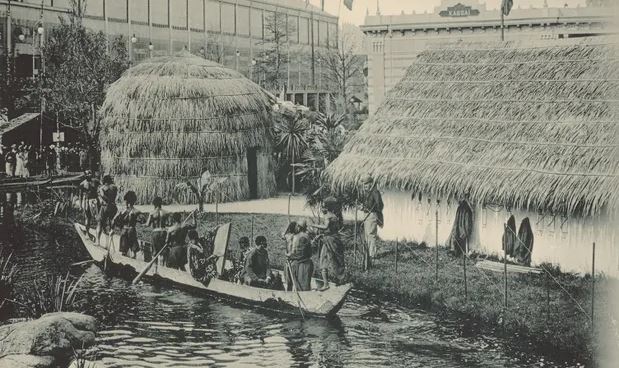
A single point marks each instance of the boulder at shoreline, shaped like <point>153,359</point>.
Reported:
<point>46,341</point>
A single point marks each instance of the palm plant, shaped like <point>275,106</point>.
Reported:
<point>328,138</point>
<point>203,188</point>
<point>292,139</point>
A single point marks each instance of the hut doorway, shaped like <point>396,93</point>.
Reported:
<point>252,172</point>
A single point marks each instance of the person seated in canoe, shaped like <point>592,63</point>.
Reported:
<point>107,198</point>
<point>127,220</point>
<point>157,220</point>
<point>257,268</point>
<point>300,265</point>
<point>89,199</point>
<point>332,247</point>
<point>176,257</point>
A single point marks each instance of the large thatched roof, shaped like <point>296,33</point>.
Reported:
<point>169,119</point>
<point>518,124</point>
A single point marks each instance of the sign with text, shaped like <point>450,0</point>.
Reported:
<point>58,137</point>
<point>459,10</point>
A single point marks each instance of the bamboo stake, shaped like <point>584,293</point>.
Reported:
<point>593,284</point>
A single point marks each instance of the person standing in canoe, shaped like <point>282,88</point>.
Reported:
<point>176,257</point>
<point>332,251</point>
<point>373,206</point>
<point>156,219</point>
<point>300,259</point>
<point>107,197</point>
<point>239,263</point>
<point>127,221</point>
<point>89,199</point>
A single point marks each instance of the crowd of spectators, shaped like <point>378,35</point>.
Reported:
<point>23,160</point>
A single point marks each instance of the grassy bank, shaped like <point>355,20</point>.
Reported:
<point>540,312</point>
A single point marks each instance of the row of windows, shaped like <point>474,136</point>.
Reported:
<point>220,17</point>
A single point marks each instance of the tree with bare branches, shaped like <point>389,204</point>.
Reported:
<point>274,55</point>
<point>343,66</point>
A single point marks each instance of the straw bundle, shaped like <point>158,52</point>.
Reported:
<point>169,119</point>
<point>524,125</point>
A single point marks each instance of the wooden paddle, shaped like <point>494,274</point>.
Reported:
<point>150,264</point>
<point>295,287</point>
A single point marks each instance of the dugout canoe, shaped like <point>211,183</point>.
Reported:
<point>308,303</point>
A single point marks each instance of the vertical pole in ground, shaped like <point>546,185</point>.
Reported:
<point>436,246</point>
<point>547,286</point>
<point>396,255</point>
<point>217,210</point>
<point>355,229</point>
<point>593,284</point>
<point>252,229</point>
<point>464,264</point>
<point>505,274</point>
<point>289,199</point>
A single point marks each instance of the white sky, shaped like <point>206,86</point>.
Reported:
<point>357,15</point>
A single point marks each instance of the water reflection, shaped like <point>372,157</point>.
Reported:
<point>152,326</point>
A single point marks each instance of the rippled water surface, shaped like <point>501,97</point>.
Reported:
<point>158,326</point>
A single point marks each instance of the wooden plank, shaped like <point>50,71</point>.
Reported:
<point>498,267</point>
<point>222,239</point>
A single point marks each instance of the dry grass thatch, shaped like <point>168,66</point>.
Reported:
<point>169,119</point>
<point>523,125</point>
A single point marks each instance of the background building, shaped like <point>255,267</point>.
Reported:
<point>393,41</point>
<point>231,32</point>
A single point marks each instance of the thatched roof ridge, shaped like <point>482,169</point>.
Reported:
<point>171,118</point>
<point>525,125</point>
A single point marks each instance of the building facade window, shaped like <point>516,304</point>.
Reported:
<point>242,20</point>
<point>227,12</point>
<point>212,16</point>
<point>304,31</point>
<point>256,23</point>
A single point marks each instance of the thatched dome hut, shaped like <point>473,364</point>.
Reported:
<point>169,119</point>
<point>522,128</point>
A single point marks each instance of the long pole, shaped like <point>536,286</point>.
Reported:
<point>505,272</point>
<point>593,284</point>
<point>436,246</point>
<point>204,26</point>
<point>466,294</point>
<point>312,47</point>
<point>356,235</point>
<point>252,228</point>
<point>8,43</point>
<point>396,256</point>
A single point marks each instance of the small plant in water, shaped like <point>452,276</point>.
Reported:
<point>84,358</point>
<point>55,294</point>
<point>7,271</point>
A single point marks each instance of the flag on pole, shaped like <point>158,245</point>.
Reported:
<point>506,6</point>
<point>348,4</point>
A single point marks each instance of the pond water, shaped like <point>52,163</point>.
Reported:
<point>155,326</point>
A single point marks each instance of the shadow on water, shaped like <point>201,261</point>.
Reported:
<point>148,325</point>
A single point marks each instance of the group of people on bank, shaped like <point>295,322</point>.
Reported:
<point>23,160</point>
<point>178,244</point>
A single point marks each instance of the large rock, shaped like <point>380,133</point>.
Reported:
<point>54,336</point>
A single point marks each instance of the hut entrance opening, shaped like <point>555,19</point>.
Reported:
<point>252,172</point>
